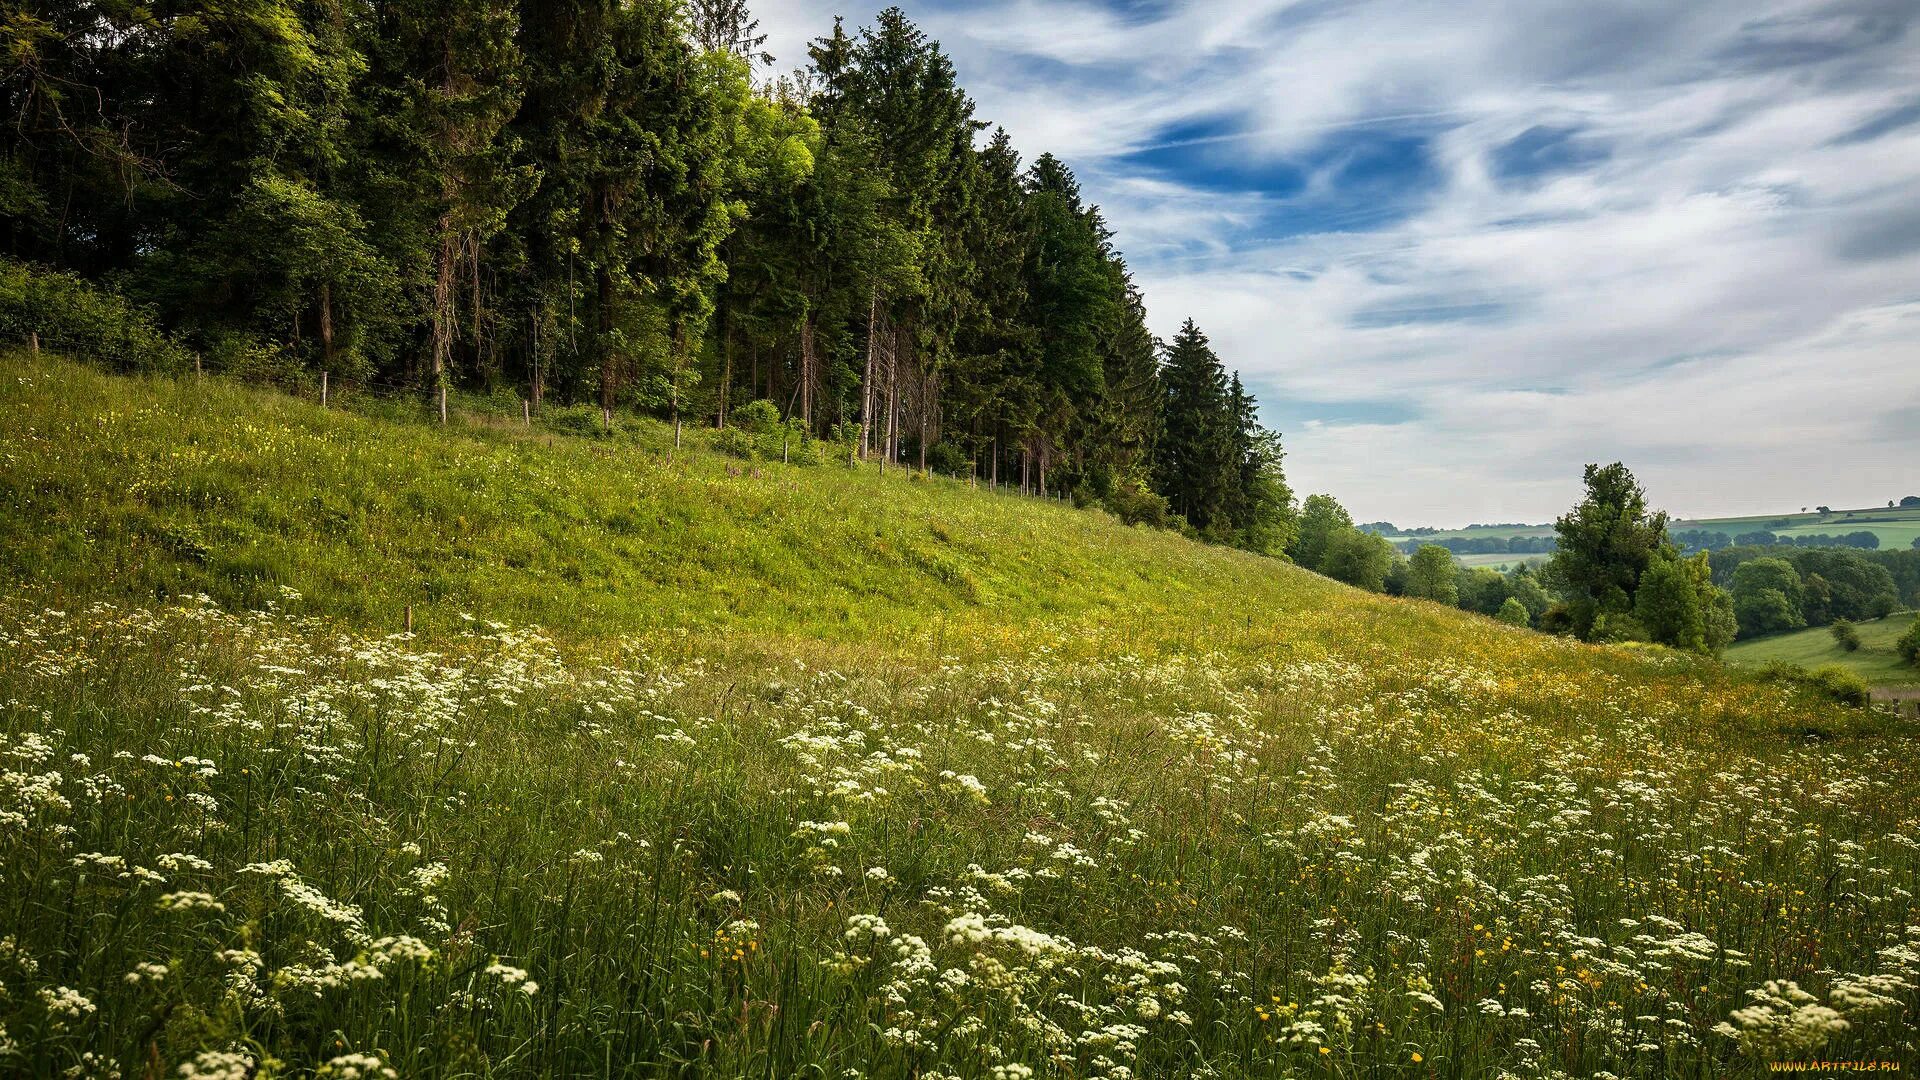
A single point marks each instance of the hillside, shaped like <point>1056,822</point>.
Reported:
<point>1875,660</point>
<point>702,766</point>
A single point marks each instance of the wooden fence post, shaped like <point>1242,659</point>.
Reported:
<point>33,343</point>
<point>526,412</point>
<point>323,389</point>
<point>443,402</point>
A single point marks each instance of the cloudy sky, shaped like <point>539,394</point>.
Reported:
<point>1459,249</point>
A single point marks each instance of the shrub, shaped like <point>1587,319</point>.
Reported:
<point>88,323</point>
<point>582,420</point>
<point>756,417</point>
<point>1832,681</point>
<point>1514,613</point>
<point>1842,684</point>
<point>734,441</point>
<point>948,459</point>
<point>1134,504</point>
<point>1845,635</point>
<point>1909,644</point>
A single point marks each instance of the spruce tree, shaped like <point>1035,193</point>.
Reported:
<point>1195,463</point>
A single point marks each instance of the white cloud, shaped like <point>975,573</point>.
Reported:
<point>1719,289</point>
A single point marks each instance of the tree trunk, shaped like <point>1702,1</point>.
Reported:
<point>679,347</point>
<point>326,324</point>
<point>929,392</point>
<point>806,370</point>
<point>726,373</point>
<point>473,257</point>
<point>866,381</point>
<point>889,446</point>
<point>443,299</point>
<point>609,362</point>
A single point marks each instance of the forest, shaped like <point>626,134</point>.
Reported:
<point>615,204</point>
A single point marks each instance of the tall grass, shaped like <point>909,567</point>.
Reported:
<point>1136,808</point>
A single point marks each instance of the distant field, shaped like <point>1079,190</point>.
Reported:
<point>1875,660</point>
<point>1896,528</point>
<point>1478,533</point>
<point>1497,561</point>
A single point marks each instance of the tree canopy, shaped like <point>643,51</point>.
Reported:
<point>591,201</point>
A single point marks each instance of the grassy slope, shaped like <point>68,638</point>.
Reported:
<point>1875,661</point>
<point>1135,804</point>
<point>148,489</point>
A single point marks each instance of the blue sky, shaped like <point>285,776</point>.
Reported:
<point>1461,249</point>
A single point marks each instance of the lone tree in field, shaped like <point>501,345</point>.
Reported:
<point>1612,549</point>
<point>1845,635</point>
<point>1606,544</point>
<point>1430,575</point>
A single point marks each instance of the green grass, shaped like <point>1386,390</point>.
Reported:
<point>1875,660</point>
<point>1896,528</point>
<point>154,489</point>
<point>818,773</point>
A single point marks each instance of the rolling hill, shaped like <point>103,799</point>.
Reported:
<point>1875,660</point>
<point>699,765</point>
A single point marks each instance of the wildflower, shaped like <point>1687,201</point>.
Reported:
<point>64,1003</point>
<point>218,1065</point>
<point>357,1067</point>
<point>191,901</point>
<point>513,977</point>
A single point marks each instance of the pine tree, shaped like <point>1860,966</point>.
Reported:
<point>728,26</point>
<point>1195,465</point>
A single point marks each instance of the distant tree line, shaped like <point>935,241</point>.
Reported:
<point>1692,540</point>
<point>1775,592</point>
<point>1485,545</point>
<point>597,201</point>
<point>1616,572</point>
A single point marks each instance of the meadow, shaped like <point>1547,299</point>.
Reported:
<point>1815,646</point>
<point>699,766</point>
<point>1897,529</point>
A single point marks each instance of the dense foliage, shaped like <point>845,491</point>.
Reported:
<point>597,201</point>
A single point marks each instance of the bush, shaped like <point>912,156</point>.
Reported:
<point>757,417</point>
<point>1134,504</point>
<point>87,323</point>
<point>583,420</point>
<point>1832,681</point>
<point>1909,644</point>
<point>1514,613</point>
<point>1845,635</point>
<point>1842,684</point>
<point>948,459</point>
<point>734,441</point>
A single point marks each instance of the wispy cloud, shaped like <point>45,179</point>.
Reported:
<point>1461,249</point>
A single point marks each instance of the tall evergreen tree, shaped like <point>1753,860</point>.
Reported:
<point>1195,463</point>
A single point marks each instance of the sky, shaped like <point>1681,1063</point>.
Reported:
<point>1461,249</point>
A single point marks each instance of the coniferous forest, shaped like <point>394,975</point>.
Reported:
<point>618,203</point>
